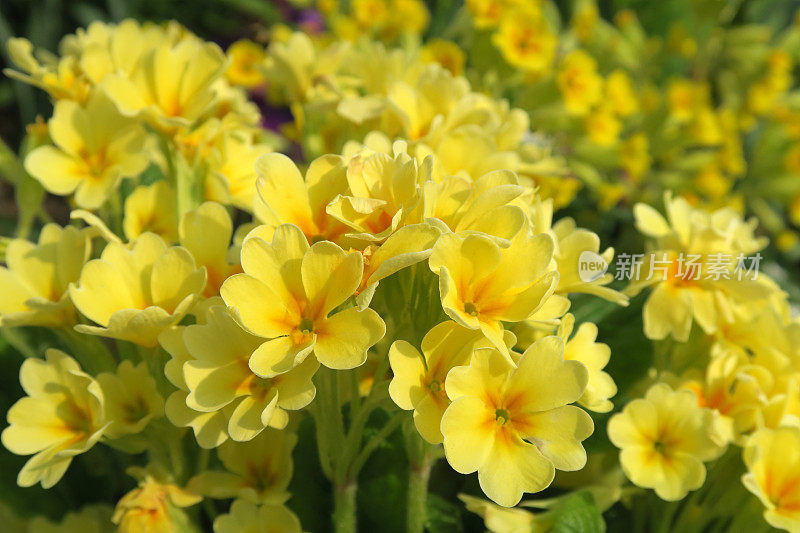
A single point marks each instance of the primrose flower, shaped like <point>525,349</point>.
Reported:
<point>418,381</point>
<point>287,293</point>
<point>664,438</point>
<point>206,232</point>
<point>584,348</point>
<point>407,246</point>
<point>151,208</point>
<point>385,193</point>
<point>218,378</point>
<point>514,425</point>
<point>246,516</point>
<point>153,506</point>
<point>499,519</point>
<point>232,161</point>
<point>62,416</point>
<point>94,149</point>
<point>571,243</point>
<point>735,388</point>
<point>482,285</point>
<point>210,429</point>
<point>602,126</point>
<point>445,53</point>
<point>245,59</point>
<point>580,84</point>
<point>36,280</point>
<point>170,85</point>
<point>131,399</point>
<point>772,458</point>
<point>257,471</point>
<point>620,94</point>
<point>488,205</point>
<point>525,40</point>
<point>286,198</point>
<point>135,292</point>
<point>684,290</point>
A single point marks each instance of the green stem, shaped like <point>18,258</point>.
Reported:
<point>417,496</point>
<point>344,507</point>
<point>421,456</point>
<point>376,441</point>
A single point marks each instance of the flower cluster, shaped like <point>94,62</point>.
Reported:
<point>386,267</point>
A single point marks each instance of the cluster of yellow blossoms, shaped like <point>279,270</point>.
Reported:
<point>711,114</point>
<point>406,268</point>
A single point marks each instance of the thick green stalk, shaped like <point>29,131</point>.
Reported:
<point>421,456</point>
<point>344,507</point>
<point>417,497</point>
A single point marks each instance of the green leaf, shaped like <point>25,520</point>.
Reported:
<point>444,516</point>
<point>577,513</point>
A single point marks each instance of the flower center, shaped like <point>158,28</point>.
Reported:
<point>435,386</point>
<point>470,309</point>
<point>306,326</point>
<point>501,416</point>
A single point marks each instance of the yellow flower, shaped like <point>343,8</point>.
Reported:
<point>210,429</point>
<point>61,417</point>
<point>734,387</point>
<point>154,507</point>
<point>231,178</point>
<point>246,58</point>
<point>60,78</point>
<point>773,463</point>
<point>481,284</point>
<point>94,149</point>
<point>446,53</point>
<point>151,208</point>
<point>206,232</point>
<point>258,471</point>
<point>36,280</point>
<point>218,378</point>
<point>406,17</point>
<point>131,399</point>
<point>385,193</point>
<point>580,84</point>
<point>526,41</point>
<point>584,19</point>
<point>246,516</point>
<point>584,348</point>
<point>664,439</point>
<point>405,247</point>
<point>492,204</point>
<point>683,97</point>
<point>571,243</point>
<point>170,85</point>
<point>705,127</point>
<point>135,292</point>
<point>514,425</point>
<point>791,160</point>
<point>683,289</point>
<point>487,13</point>
<point>286,198</point>
<point>620,94</point>
<point>602,126</point>
<point>499,519</point>
<point>418,381</point>
<point>634,154</point>
<point>370,13</point>
<point>287,293</point>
